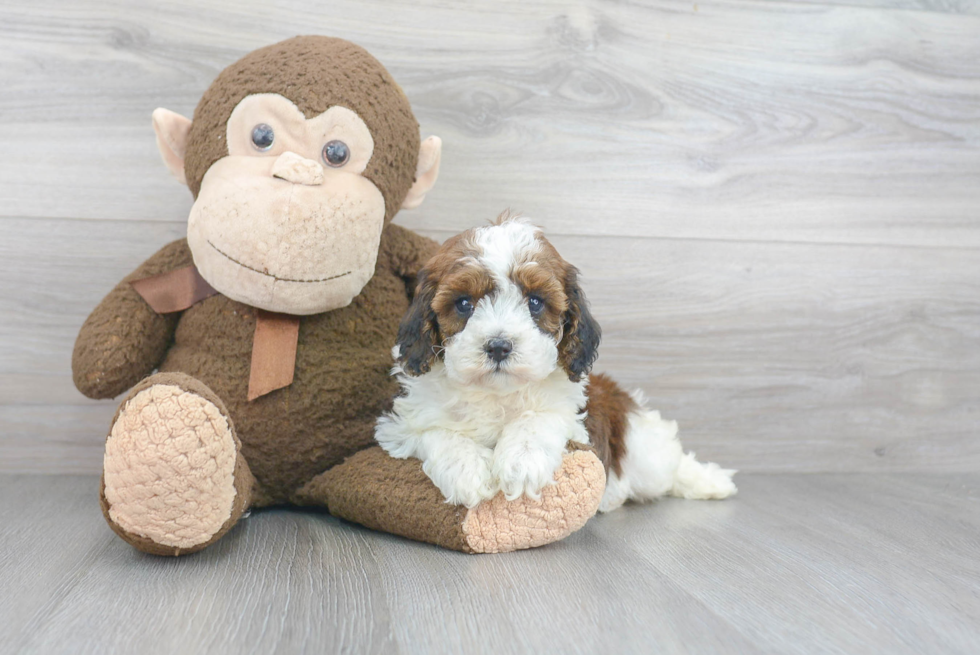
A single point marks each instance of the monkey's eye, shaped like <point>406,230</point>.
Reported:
<point>263,136</point>
<point>336,153</point>
<point>535,304</point>
<point>464,306</point>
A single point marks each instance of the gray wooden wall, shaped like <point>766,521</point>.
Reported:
<point>774,205</point>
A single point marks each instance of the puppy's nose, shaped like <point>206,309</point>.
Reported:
<point>296,169</point>
<point>498,349</point>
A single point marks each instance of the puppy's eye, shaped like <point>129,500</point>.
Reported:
<point>535,304</point>
<point>263,136</point>
<point>464,306</point>
<point>336,153</point>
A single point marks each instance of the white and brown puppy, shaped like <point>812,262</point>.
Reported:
<point>493,357</point>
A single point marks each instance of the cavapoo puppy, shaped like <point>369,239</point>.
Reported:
<point>493,357</point>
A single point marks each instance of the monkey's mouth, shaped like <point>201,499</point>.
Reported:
<point>274,277</point>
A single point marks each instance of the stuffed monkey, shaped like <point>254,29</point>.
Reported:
<point>260,345</point>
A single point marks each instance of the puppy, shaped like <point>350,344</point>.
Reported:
<point>493,358</point>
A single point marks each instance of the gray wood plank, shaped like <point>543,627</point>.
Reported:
<point>772,356</point>
<point>832,563</point>
<point>329,586</point>
<point>839,550</point>
<point>749,120</point>
<point>54,438</point>
<point>967,7</point>
<point>50,538</point>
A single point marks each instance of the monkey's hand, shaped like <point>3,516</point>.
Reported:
<point>123,339</point>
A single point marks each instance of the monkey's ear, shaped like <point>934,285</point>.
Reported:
<point>427,172</point>
<point>172,130</point>
<point>579,346</point>
<point>418,333</point>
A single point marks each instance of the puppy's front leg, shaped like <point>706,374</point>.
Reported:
<point>457,465</point>
<point>529,452</point>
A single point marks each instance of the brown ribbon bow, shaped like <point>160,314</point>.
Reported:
<point>273,344</point>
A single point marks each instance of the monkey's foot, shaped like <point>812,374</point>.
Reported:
<point>174,480</point>
<point>395,495</point>
<point>500,526</point>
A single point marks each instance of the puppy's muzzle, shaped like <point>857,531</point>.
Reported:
<point>498,349</point>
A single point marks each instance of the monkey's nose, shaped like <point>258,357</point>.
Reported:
<point>498,349</point>
<point>296,169</point>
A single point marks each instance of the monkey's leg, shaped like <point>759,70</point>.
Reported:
<point>174,479</point>
<point>395,495</point>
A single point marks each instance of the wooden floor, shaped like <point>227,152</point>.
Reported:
<point>820,563</point>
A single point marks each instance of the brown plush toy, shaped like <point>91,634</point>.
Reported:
<point>270,326</point>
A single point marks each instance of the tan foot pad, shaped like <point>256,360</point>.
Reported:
<point>170,467</point>
<point>499,526</point>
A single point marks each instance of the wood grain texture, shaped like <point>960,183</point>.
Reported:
<point>942,6</point>
<point>774,204</point>
<point>832,563</point>
<point>736,120</point>
<point>792,357</point>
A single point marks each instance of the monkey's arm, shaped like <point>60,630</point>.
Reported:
<point>395,495</point>
<point>407,252</point>
<point>123,339</point>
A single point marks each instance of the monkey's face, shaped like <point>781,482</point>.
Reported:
<point>298,155</point>
<point>285,221</point>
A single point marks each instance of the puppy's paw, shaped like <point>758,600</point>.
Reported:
<point>523,469</point>
<point>465,480</point>
<point>501,525</point>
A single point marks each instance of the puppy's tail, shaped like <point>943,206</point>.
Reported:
<point>696,481</point>
<point>650,462</point>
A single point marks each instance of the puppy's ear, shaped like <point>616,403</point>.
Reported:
<point>418,333</point>
<point>581,333</point>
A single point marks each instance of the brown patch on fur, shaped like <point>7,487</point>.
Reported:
<point>539,278</point>
<point>465,281</point>
<point>451,273</point>
<point>579,333</point>
<point>606,420</point>
<point>542,274</point>
<point>452,252</point>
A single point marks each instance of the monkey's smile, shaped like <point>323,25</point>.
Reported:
<point>274,277</point>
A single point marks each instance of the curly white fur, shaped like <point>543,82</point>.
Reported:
<point>475,441</point>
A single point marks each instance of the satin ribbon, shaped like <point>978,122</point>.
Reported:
<point>273,344</point>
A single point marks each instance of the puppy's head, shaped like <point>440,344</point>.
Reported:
<point>501,308</point>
